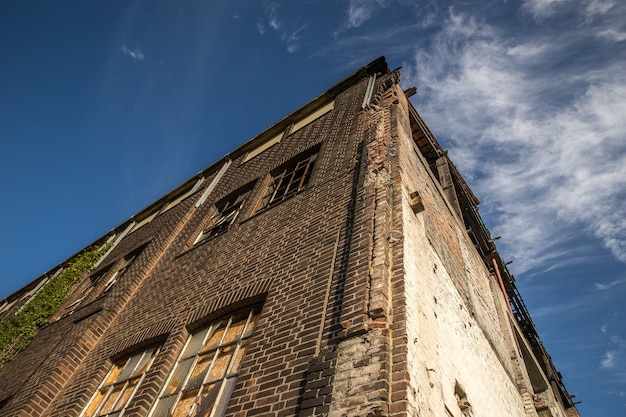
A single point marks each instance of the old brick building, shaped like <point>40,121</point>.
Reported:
<point>333,265</point>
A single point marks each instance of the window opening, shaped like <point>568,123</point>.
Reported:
<point>128,261</point>
<point>288,181</point>
<point>95,280</point>
<point>312,117</point>
<point>225,215</point>
<point>263,147</point>
<point>118,388</point>
<point>206,372</point>
<point>175,200</point>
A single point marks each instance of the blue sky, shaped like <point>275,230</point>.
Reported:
<point>106,106</point>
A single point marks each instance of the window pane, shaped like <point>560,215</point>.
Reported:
<point>268,196</point>
<point>128,390</point>
<point>130,365</point>
<point>250,327</point>
<point>179,376</point>
<point>111,400</point>
<point>195,342</point>
<point>209,394</point>
<point>163,407</point>
<point>238,356</point>
<point>221,363</point>
<point>234,331</point>
<point>199,371</point>
<point>187,403</point>
<point>144,363</point>
<point>94,404</point>
<point>215,338</point>
<point>114,374</point>
<point>220,407</point>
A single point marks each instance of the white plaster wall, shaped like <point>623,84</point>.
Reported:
<point>452,338</point>
<point>446,345</point>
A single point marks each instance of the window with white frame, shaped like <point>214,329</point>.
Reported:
<point>118,388</point>
<point>206,373</point>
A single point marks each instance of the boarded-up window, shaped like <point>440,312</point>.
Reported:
<point>118,388</point>
<point>205,374</point>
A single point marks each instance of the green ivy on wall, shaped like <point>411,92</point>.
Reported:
<point>18,330</point>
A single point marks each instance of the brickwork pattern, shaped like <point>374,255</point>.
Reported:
<point>283,254</point>
<point>318,387</point>
<point>366,308</point>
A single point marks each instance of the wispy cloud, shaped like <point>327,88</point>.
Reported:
<point>261,28</point>
<point>608,362</point>
<point>136,54</point>
<point>287,30</point>
<point>360,11</point>
<point>613,35</point>
<point>272,15</point>
<point>611,284</point>
<point>615,358</point>
<point>598,7</point>
<point>542,144</point>
<point>544,8</point>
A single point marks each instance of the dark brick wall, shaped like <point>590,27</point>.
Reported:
<point>285,256</point>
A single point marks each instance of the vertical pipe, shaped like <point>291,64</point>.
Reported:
<point>318,346</point>
<point>495,266</point>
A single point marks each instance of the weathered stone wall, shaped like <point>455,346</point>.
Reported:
<point>454,337</point>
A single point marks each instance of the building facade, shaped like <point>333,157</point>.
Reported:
<point>334,265</point>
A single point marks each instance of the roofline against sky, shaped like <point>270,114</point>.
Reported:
<point>378,65</point>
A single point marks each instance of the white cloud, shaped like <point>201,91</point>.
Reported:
<point>526,51</point>
<point>611,284</point>
<point>614,358</point>
<point>287,31</point>
<point>541,9</point>
<point>612,35</point>
<point>360,11</point>
<point>598,7</point>
<point>136,54</point>
<point>608,362</point>
<point>545,150</point>
<point>271,14</point>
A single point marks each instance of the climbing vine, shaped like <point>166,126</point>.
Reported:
<point>18,330</point>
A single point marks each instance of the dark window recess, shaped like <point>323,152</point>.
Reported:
<point>89,293</point>
<point>128,260</point>
<point>288,181</point>
<point>225,215</point>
